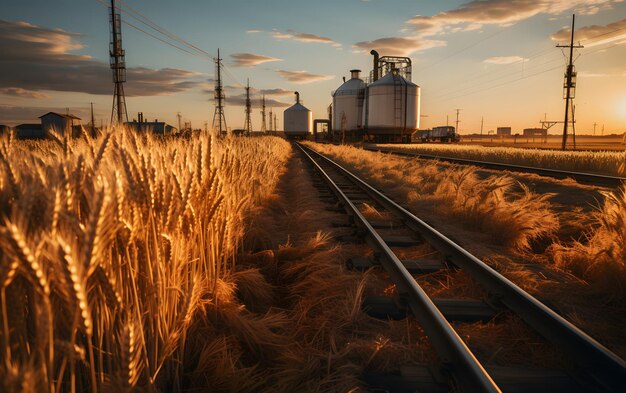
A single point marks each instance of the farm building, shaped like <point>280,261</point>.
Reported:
<point>59,123</point>
<point>535,132</point>
<point>506,131</point>
<point>28,131</point>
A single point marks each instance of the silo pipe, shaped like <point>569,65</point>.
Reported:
<point>376,57</point>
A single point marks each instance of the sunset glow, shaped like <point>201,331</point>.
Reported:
<point>502,66</point>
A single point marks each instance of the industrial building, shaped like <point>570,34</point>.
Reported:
<point>156,126</point>
<point>504,131</point>
<point>535,132</point>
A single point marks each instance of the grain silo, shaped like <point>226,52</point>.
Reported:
<point>348,104</point>
<point>393,106</point>
<point>392,101</point>
<point>298,120</point>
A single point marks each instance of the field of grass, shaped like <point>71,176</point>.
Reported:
<point>111,248</point>
<point>600,258</point>
<point>602,162</point>
<point>492,206</point>
<point>510,218</point>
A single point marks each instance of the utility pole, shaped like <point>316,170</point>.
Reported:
<point>594,127</point>
<point>482,122</point>
<point>118,66</point>
<point>457,120</point>
<point>219,119</point>
<point>248,124</point>
<point>570,83</point>
<point>179,117</point>
<point>263,123</point>
<point>447,120</point>
<point>93,121</point>
<point>602,130</point>
<point>275,122</point>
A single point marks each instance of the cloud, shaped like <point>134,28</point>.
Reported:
<point>275,92</point>
<point>476,13</point>
<point>253,31</point>
<point>19,92</point>
<point>240,100</point>
<point>251,59</point>
<point>398,46</point>
<point>302,77</point>
<point>37,59</point>
<point>301,37</point>
<point>612,32</point>
<point>584,74</point>
<point>473,15</point>
<point>504,59</point>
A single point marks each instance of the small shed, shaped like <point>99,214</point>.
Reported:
<point>59,123</point>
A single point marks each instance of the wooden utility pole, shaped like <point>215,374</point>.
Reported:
<point>570,82</point>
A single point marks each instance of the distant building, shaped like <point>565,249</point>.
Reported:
<point>535,132</point>
<point>29,131</point>
<point>61,124</point>
<point>156,127</point>
<point>505,131</point>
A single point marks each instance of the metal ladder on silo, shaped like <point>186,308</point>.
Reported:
<point>397,101</point>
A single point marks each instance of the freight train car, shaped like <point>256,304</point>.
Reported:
<point>441,134</point>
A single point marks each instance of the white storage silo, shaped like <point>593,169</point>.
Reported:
<point>348,102</point>
<point>393,105</point>
<point>298,120</point>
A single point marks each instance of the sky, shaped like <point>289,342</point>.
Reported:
<point>495,60</point>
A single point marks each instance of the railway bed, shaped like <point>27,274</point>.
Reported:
<point>590,366</point>
<point>580,177</point>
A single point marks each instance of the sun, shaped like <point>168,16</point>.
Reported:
<point>621,108</point>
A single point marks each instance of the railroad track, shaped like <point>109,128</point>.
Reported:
<point>581,177</point>
<point>593,367</point>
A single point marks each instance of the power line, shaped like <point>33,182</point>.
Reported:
<point>502,84</point>
<point>150,34</point>
<point>165,31</point>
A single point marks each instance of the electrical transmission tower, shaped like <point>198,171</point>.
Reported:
<point>248,124</point>
<point>271,121</point>
<point>569,85</point>
<point>457,121</point>
<point>263,124</point>
<point>219,119</point>
<point>118,66</point>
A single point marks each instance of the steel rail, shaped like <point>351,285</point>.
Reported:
<point>454,354</point>
<point>592,359</point>
<point>581,177</point>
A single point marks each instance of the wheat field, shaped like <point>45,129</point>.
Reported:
<point>602,162</point>
<point>110,247</point>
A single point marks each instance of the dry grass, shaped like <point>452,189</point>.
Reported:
<point>110,250</point>
<point>601,258</point>
<point>494,206</point>
<point>603,162</point>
